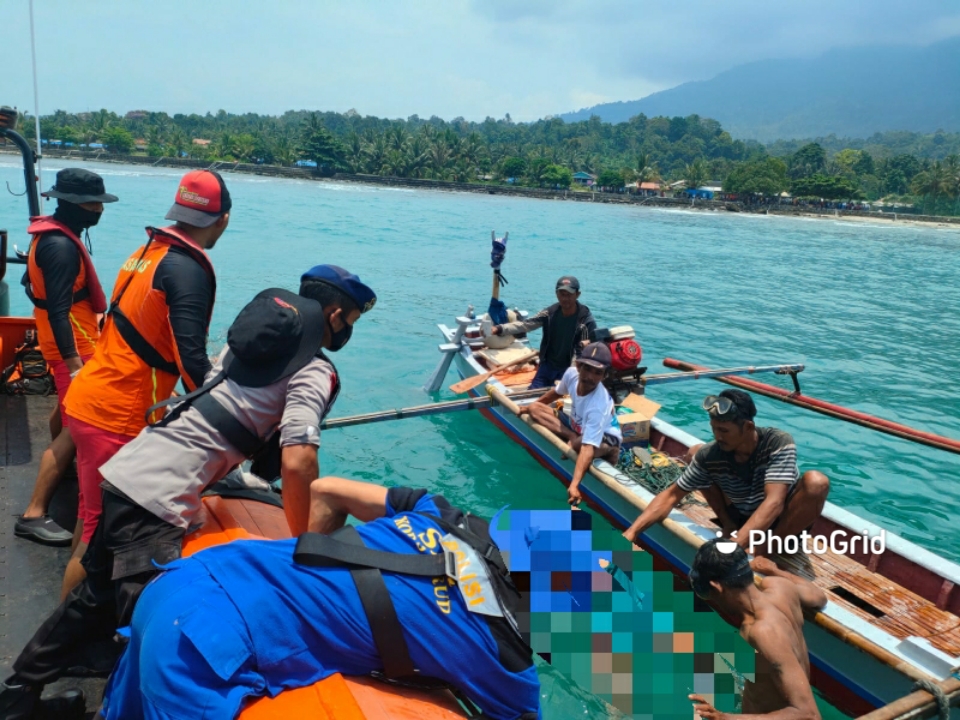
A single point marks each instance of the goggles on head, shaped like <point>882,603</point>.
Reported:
<point>717,405</point>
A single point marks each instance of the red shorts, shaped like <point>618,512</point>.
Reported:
<point>94,448</point>
<point>61,378</point>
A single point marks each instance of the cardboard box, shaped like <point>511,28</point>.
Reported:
<point>635,425</point>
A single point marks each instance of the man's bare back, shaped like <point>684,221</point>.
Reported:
<point>771,619</point>
<point>775,629</point>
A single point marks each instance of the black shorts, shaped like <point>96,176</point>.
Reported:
<point>740,518</point>
<point>127,546</point>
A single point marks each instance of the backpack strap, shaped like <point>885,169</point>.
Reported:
<point>374,596</point>
<point>41,304</point>
<point>181,401</point>
<point>318,550</point>
<point>236,433</point>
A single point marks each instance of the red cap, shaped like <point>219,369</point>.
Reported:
<point>202,197</point>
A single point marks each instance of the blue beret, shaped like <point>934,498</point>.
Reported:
<point>346,282</point>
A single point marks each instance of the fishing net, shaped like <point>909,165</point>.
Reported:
<point>658,474</point>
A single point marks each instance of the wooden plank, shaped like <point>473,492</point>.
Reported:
<point>270,519</point>
<point>241,516</point>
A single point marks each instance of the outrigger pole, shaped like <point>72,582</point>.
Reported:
<point>485,402</point>
<point>826,408</point>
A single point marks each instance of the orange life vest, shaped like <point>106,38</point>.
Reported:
<point>88,298</point>
<point>137,362</point>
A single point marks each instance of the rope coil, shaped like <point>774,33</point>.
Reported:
<point>943,702</point>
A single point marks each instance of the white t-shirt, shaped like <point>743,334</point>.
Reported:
<point>592,415</point>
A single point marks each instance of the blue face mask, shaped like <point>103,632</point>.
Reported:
<point>341,337</point>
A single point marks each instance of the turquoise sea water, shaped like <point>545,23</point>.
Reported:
<point>870,309</point>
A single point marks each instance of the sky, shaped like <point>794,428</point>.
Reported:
<point>396,58</point>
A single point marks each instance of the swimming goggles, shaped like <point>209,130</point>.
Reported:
<point>722,405</point>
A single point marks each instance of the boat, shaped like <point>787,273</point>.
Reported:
<point>893,617</point>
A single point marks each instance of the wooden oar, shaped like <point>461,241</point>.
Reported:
<point>471,382</point>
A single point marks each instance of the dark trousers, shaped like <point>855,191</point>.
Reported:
<point>546,375</point>
<point>119,563</point>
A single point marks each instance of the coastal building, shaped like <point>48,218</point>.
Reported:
<point>584,178</point>
<point>648,189</point>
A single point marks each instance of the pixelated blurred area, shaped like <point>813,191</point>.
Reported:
<point>597,611</point>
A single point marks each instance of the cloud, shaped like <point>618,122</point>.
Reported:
<point>470,58</point>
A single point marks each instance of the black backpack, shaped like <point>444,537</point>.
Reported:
<point>29,374</point>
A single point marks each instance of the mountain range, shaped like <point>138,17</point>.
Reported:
<point>849,92</point>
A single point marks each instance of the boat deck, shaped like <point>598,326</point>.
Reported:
<point>30,574</point>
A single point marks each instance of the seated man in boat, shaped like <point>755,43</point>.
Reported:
<point>770,617</point>
<point>273,381</point>
<point>252,618</point>
<point>567,327</point>
<point>591,428</point>
<point>748,474</point>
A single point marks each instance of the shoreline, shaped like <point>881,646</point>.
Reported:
<point>890,219</point>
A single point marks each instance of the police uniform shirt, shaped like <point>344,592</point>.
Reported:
<point>165,468</point>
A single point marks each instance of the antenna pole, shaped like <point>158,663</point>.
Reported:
<point>36,106</point>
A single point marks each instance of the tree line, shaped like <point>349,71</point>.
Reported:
<point>545,153</point>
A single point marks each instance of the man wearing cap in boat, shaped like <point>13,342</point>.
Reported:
<point>567,327</point>
<point>591,428</point>
<point>68,300</point>
<point>247,619</point>
<point>155,335</point>
<point>748,474</point>
<point>273,380</point>
<point>770,618</point>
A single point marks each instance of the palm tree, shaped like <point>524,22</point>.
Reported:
<point>397,138</point>
<point>417,156</point>
<point>932,183</point>
<point>646,169</point>
<point>376,151</point>
<point>243,147</point>
<point>222,147</point>
<point>394,163</point>
<point>283,151</point>
<point>695,174</point>
<point>179,141</point>
<point>355,152</point>
<point>440,158</point>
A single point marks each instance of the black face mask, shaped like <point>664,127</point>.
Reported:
<point>75,217</point>
<point>339,338</point>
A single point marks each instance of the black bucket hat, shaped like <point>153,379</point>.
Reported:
<point>275,334</point>
<point>78,186</point>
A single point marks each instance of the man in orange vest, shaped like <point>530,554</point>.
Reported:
<point>154,336</point>
<point>63,286</point>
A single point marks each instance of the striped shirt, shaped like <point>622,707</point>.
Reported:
<point>774,460</point>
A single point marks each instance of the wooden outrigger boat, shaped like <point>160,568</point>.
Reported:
<point>893,618</point>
